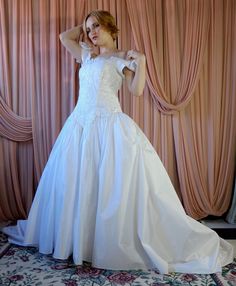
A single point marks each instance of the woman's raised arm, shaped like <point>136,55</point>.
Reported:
<point>70,40</point>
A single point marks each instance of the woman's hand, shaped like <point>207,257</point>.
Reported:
<point>136,56</point>
<point>84,38</point>
<point>81,37</point>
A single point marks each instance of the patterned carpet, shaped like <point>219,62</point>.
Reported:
<point>25,266</point>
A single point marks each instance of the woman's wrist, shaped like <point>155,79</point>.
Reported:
<point>140,60</point>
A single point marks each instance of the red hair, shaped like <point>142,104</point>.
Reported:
<point>105,19</point>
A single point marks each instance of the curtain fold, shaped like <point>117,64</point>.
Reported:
<point>231,216</point>
<point>16,153</point>
<point>205,131</point>
<point>12,126</point>
<point>183,70</point>
<point>187,108</point>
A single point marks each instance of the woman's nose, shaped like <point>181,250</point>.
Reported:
<point>93,29</point>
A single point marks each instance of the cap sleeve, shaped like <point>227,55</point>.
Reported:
<point>122,63</point>
<point>85,51</point>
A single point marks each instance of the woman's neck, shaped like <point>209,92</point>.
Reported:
<point>109,49</point>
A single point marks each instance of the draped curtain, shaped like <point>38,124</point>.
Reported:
<point>231,216</point>
<point>187,109</point>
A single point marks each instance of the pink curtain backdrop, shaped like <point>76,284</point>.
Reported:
<point>187,109</point>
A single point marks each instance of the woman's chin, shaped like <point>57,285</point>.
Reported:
<point>94,41</point>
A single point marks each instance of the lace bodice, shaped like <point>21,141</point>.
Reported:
<point>100,80</point>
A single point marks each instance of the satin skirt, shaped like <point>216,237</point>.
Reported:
<point>105,197</point>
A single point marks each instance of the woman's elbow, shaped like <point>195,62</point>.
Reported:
<point>62,37</point>
<point>138,89</point>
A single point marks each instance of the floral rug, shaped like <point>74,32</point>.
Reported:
<point>25,266</point>
<point>4,245</point>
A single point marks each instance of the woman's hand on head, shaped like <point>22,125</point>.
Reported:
<point>84,38</point>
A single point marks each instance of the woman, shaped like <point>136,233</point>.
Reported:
<point>104,194</point>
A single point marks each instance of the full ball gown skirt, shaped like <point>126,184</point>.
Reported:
<point>104,195</point>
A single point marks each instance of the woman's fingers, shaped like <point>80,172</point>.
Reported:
<point>132,54</point>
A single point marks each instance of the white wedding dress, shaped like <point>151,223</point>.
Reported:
<point>104,195</point>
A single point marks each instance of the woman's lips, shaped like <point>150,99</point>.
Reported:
<point>94,38</point>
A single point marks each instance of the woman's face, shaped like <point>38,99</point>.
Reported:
<point>96,33</point>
